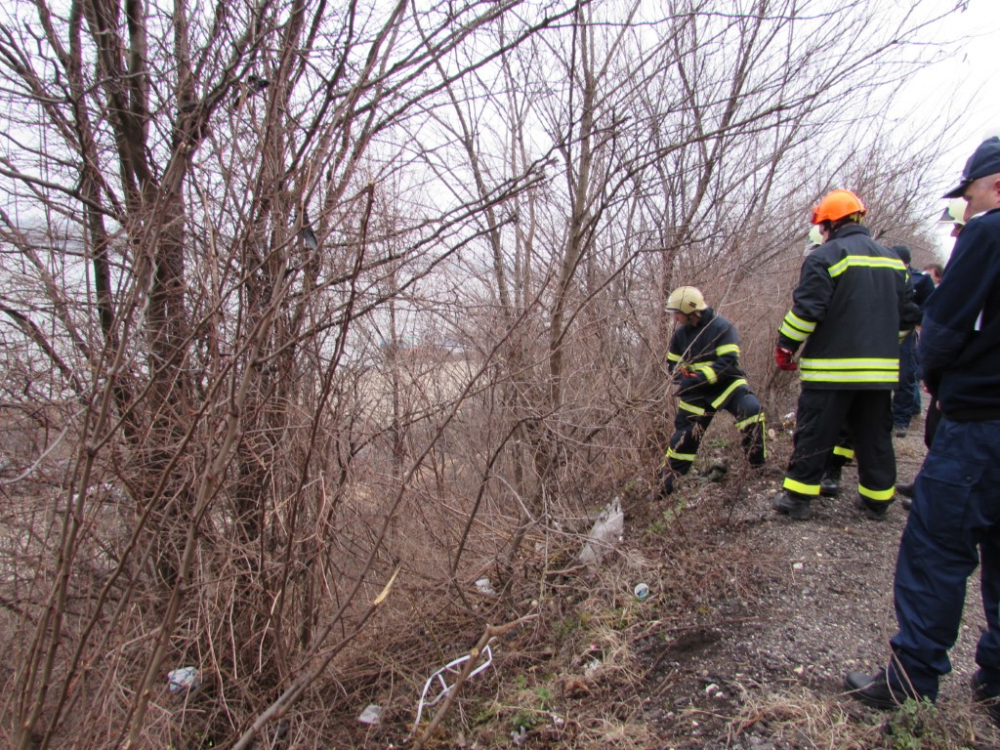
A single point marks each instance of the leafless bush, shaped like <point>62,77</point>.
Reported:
<point>317,315</point>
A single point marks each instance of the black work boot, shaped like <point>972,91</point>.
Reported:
<point>981,694</point>
<point>795,508</point>
<point>829,485</point>
<point>874,511</point>
<point>664,487</point>
<point>906,490</point>
<point>875,690</point>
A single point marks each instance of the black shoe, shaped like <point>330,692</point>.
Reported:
<point>874,690</point>
<point>664,488</point>
<point>982,696</point>
<point>906,490</point>
<point>873,511</point>
<point>793,507</point>
<point>829,487</point>
<point>906,502</point>
<point>900,431</point>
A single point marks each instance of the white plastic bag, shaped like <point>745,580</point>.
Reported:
<point>607,532</point>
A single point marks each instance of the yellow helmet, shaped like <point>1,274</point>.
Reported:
<point>686,299</point>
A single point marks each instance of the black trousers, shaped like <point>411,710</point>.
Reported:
<point>690,426</point>
<point>820,419</point>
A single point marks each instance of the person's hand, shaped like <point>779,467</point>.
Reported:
<point>783,358</point>
<point>688,380</point>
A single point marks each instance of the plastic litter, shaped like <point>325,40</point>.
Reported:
<point>485,587</point>
<point>451,668</point>
<point>641,591</point>
<point>185,678</point>
<point>372,715</point>
<point>607,532</point>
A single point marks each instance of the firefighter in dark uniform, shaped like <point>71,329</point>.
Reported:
<point>954,524</point>
<point>704,363</point>
<point>846,315</point>
<point>843,452</point>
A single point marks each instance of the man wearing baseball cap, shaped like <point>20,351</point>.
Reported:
<point>954,524</point>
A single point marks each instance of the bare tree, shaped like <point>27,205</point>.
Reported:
<point>306,305</point>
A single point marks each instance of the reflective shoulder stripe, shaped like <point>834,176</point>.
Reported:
<point>690,407</point>
<point>673,357</point>
<point>727,349</point>
<point>803,489</point>
<point>868,261</point>
<point>728,392</point>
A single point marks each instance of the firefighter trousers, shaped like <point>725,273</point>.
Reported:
<point>953,527</point>
<point>820,419</point>
<point>694,417</point>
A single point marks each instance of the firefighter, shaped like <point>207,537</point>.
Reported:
<point>851,302</point>
<point>704,363</point>
<point>843,451</point>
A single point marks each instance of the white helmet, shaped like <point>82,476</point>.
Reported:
<point>954,213</point>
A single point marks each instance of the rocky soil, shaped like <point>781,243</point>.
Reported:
<point>808,600</point>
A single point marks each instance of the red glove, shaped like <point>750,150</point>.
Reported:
<point>783,357</point>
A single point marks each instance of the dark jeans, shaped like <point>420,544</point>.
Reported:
<point>906,399</point>
<point>954,526</point>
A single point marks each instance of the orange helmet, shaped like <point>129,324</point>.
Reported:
<point>836,205</point>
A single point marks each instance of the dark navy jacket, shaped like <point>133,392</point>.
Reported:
<point>853,300</point>
<point>705,361</point>
<point>960,339</point>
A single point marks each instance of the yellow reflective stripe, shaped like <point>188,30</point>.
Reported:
<point>852,370</point>
<point>805,325</point>
<point>842,451</point>
<point>880,496</point>
<point>706,369</point>
<point>728,392</point>
<point>690,407</point>
<point>795,327</point>
<point>802,489</point>
<point>791,333</point>
<point>727,349</point>
<point>673,357</point>
<point>866,261</point>
<point>851,363</point>
<point>680,456</point>
<point>902,336</point>
<point>861,376</point>
<point>750,420</point>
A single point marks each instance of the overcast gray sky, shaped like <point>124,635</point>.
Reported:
<point>967,82</point>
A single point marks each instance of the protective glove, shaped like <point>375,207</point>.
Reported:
<point>688,380</point>
<point>783,358</point>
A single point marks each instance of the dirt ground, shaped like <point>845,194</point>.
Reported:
<point>804,602</point>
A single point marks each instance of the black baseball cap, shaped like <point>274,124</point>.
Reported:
<point>984,160</point>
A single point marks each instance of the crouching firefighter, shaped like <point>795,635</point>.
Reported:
<point>848,310</point>
<point>704,364</point>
